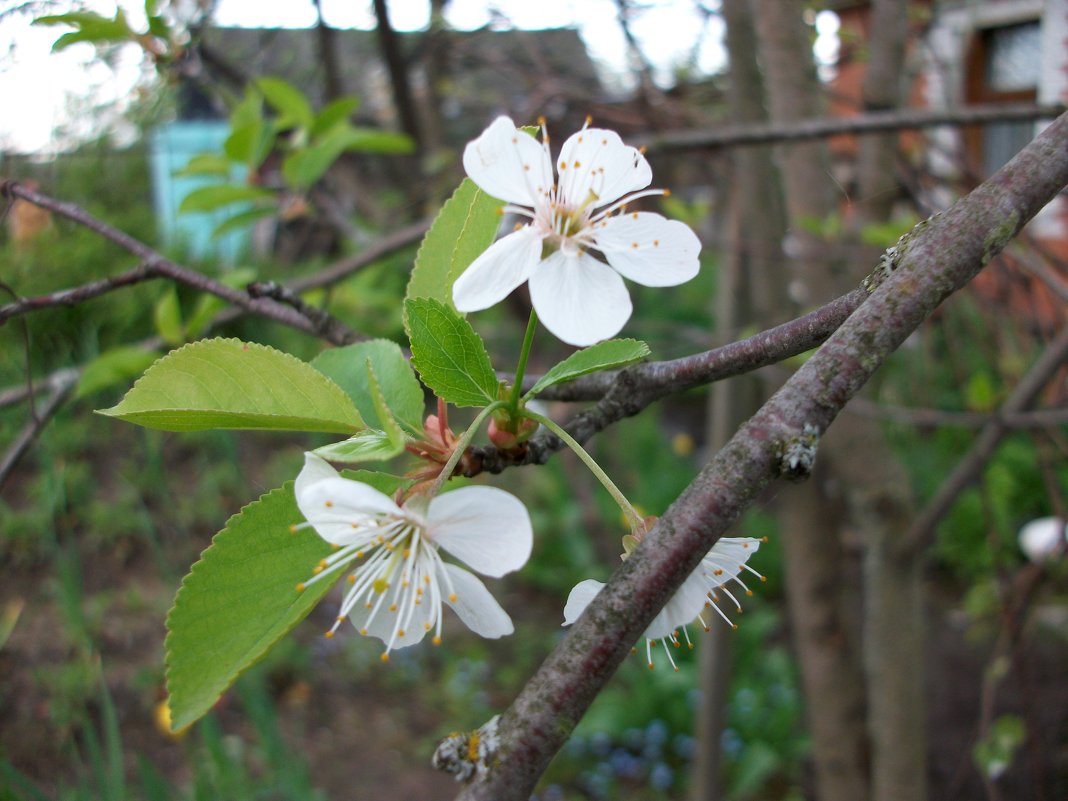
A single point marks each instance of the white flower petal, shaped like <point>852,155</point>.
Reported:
<point>508,164</point>
<point>485,527</point>
<point>683,608</point>
<point>726,559</point>
<point>581,595</point>
<point>502,267</point>
<point>579,299</point>
<point>339,508</point>
<point>385,622</point>
<point>649,249</point>
<point>596,160</point>
<point>315,469</point>
<point>479,610</point>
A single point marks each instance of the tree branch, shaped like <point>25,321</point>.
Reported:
<point>60,390</point>
<point>969,468</point>
<point>943,257</point>
<point>163,267</point>
<point>735,135</point>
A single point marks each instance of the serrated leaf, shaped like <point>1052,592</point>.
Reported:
<point>226,383</point>
<point>447,353</point>
<point>602,356</point>
<point>209,198</point>
<point>167,316</point>
<point>399,386</point>
<point>238,600</point>
<point>115,366</point>
<point>371,445</point>
<point>463,229</point>
<point>288,101</point>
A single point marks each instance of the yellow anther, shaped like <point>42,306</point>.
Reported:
<point>340,618</point>
<point>634,244</point>
<point>436,641</point>
<point>329,635</point>
<point>452,598</point>
<point>656,243</point>
<point>667,193</point>
<point>515,140</point>
<point>293,529</point>
<point>329,504</point>
<point>400,632</point>
<point>352,578</point>
<point>392,607</point>
<point>634,215</point>
<point>541,120</point>
<point>363,632</point>
<point>563,165</point>
<point>427,627</point>
<point>380,585</point>
<point>577,164</point>
<point>472,746</point>
<point>300,587</point>
<point>589,119</point>
<point>642,149</point>
<point>384,657</point>
<point>650,666</point>
<point>526,168</point>
<point>604,141</point>
<point>317,569</point>
<point>334,547</point>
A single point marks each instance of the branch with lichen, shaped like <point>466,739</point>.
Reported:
<point>939,261</point>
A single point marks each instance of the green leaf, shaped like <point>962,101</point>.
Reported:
<point>371,445</point>
<point>449,356</point>
<point>167,316</point>
<point>602,356</point>
<point>245,218</point>
<point>90,27</point>
<point>226,383</point>
<point>288,101</point>
<point>463,229</point>
<point>205,164</point>
<point>338,111</point>
<point>346,367</point>
<point>115,366</point>
<point>238,601</point>
<point>389,423</point>
<point>373,140</point>
<point>207,306</point>
<point>302,168</point>
<point>209,198</point>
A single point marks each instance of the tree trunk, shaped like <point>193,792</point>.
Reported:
<point>811,525</point>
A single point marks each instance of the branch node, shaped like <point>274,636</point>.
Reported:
<point>467,755</point>
<point>797,455</point>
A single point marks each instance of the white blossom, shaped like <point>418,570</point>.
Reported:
<point>699,593</point>
<point>579,298</point>
<point>398,580</point>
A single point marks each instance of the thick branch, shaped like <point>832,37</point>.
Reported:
<point>735,135</point>
<point>943,257</point>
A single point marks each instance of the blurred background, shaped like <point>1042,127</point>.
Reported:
<point>911,639</point>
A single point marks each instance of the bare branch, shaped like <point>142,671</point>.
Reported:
<point>60,391</point>
<point>969,468</point>
<point>944,256</point>
<point>79,294</point>
<point>734,135</point>
<point>163,266</point>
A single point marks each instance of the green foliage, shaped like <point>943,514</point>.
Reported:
<point>348,368</point>
<point>226,383</point>
<point>238,601</point>
<point>448,355</point>
<point>463,229</point>
<point>89,27</point>
<point>994,753</point>
<point>602,356</point>
<point>115,366</point>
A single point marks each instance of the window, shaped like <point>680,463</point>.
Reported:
<point>1003,67</point>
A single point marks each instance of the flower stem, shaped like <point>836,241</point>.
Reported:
<point>521,368</point>
<point>636,520</point>
<point>461,445</point>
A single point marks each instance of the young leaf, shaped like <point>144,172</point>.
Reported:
<point>238,601</point>
<point>448,354</point>
<point>371,445</point>
<point>209,198</point>
<point>338,111</point>
<point>115,366</point>
<point>244,219</point>
<point>465,226</point>
<point>373,140</point>
<point>346,367</point>
<point>385,416</point>
<point>226,383</point>
<point>167,316</point>
<point>602,356</point>
<point>288,101</point>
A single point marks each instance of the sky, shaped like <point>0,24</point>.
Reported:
<point>44,90</point>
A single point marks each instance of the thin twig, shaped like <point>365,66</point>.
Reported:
<point>761,134</point>
<point>937,418</point>
<point>79,294</point>
<point>33,427</point>
<point>969,467</point>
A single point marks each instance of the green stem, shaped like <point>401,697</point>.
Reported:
<point>461,446</point>
<point>636,520</point>
<point>521,368</point>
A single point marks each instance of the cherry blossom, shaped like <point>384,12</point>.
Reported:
<point>398,580</point>
<point>579,298</point>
